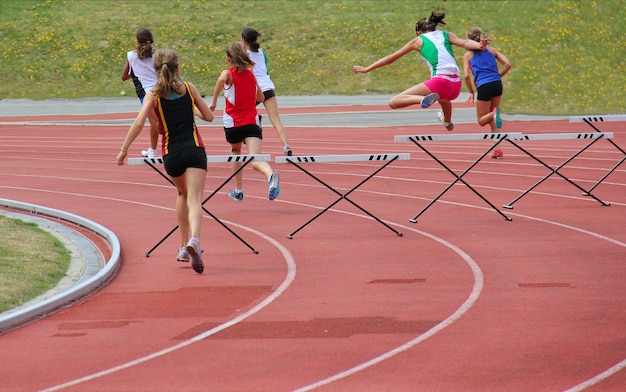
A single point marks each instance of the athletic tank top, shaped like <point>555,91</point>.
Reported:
<point>484,67</point>
<point>240,98</point>
<point>178,124</point>
<point>143,70</point>
<point>437,51</point>
<point>260,70</point>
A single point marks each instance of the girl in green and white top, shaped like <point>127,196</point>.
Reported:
<point>436,48</point>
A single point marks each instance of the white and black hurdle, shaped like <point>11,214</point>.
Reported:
<point>298,161</point>
<point>591,137</point>
<point>494,138</point>
<point>244,159</point>
<point>589,120</point>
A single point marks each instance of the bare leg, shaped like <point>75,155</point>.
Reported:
<point>189,203</point>
<point>154,130</point>
<point>446,108</point>
<point>484,114</point>
<point>410,96</point>
<point>235,149</point>
<point>271,105</point>
<point>254,147</point>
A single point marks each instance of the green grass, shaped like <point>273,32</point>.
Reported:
<point>568,56</point>
<point>32,261</point>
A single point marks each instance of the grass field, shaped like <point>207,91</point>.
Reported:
<point>568,56</point>
<point>32,261</point>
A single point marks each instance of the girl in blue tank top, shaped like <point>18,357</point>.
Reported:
<point>483,66</point>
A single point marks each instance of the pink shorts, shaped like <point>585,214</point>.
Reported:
<point>446,88</point>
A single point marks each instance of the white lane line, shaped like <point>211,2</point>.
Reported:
<point>466,306</point>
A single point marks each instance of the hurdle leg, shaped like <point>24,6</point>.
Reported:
<point>345,196</point>
<point>342,196</point>
<point>553,171</point>
<point>161,241</point>
<point>586,193</point>
<point>215,218</point>
<point>458,178</point>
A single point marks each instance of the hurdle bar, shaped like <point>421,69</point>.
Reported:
<point>592,137</point>
<point>589,120</point>
<point>244,159</point>
<point>496,137</point>
<point>598,118</point>
<point>297,161</point>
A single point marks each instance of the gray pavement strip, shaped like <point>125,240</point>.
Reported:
<point>88,271</point>
<point>387,117</point>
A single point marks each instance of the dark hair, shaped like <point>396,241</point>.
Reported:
<point>250,35</point>
<point>144,43</point>
<point>425,25</point>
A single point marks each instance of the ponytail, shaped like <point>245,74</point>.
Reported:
<point>166,66</point>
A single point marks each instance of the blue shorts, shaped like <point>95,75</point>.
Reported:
<point>177,162</point>
<point>236,135</point>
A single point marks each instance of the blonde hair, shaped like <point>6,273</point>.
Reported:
<point>166,67</point>
<point>239,56</point>
<point>475,34</point>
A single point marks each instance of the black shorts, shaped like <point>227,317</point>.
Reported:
<point>268,94</point>
<point>489,90</point>
<point>177,162</point>
<point>236,135</point>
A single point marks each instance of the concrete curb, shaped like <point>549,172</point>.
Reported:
<point>87,273</point>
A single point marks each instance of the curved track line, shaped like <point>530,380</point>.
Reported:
<point>289,278</point>
<point>469,302</point>
<point>600,377</point>
<point>478,283</point>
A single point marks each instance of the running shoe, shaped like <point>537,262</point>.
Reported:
<point>287,150</point>
<point>497,154</point>
<point>496,116</point>
<point>429,100</point>
<point>183,255</point>
<point>274,184</point>
<point>195,251</point>
<point>449,126</point>
<point>238,196</point>
<point>148,153</point>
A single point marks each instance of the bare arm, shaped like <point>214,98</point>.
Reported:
<point>467,70</point>
<point>502,59</point>
<point>203,110</point>
<point>259,93</point>
<point>136,128</point>
<point>414,44</point>
<point>126,71</point>
<point>224,78</point>
<point>467,43</point>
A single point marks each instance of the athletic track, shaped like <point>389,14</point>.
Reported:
<point>463,301</point>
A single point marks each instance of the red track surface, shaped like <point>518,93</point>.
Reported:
<point>463,301</point>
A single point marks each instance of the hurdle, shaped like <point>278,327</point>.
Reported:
<point>244,159</point>
<point>589,120</point>
<point>419,140</point>
<point>297,161</point>
<point>593,137</point>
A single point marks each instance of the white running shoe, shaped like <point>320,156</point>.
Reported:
<point>449,126</point>
<point>148,153</point>
<point>195,251</point>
